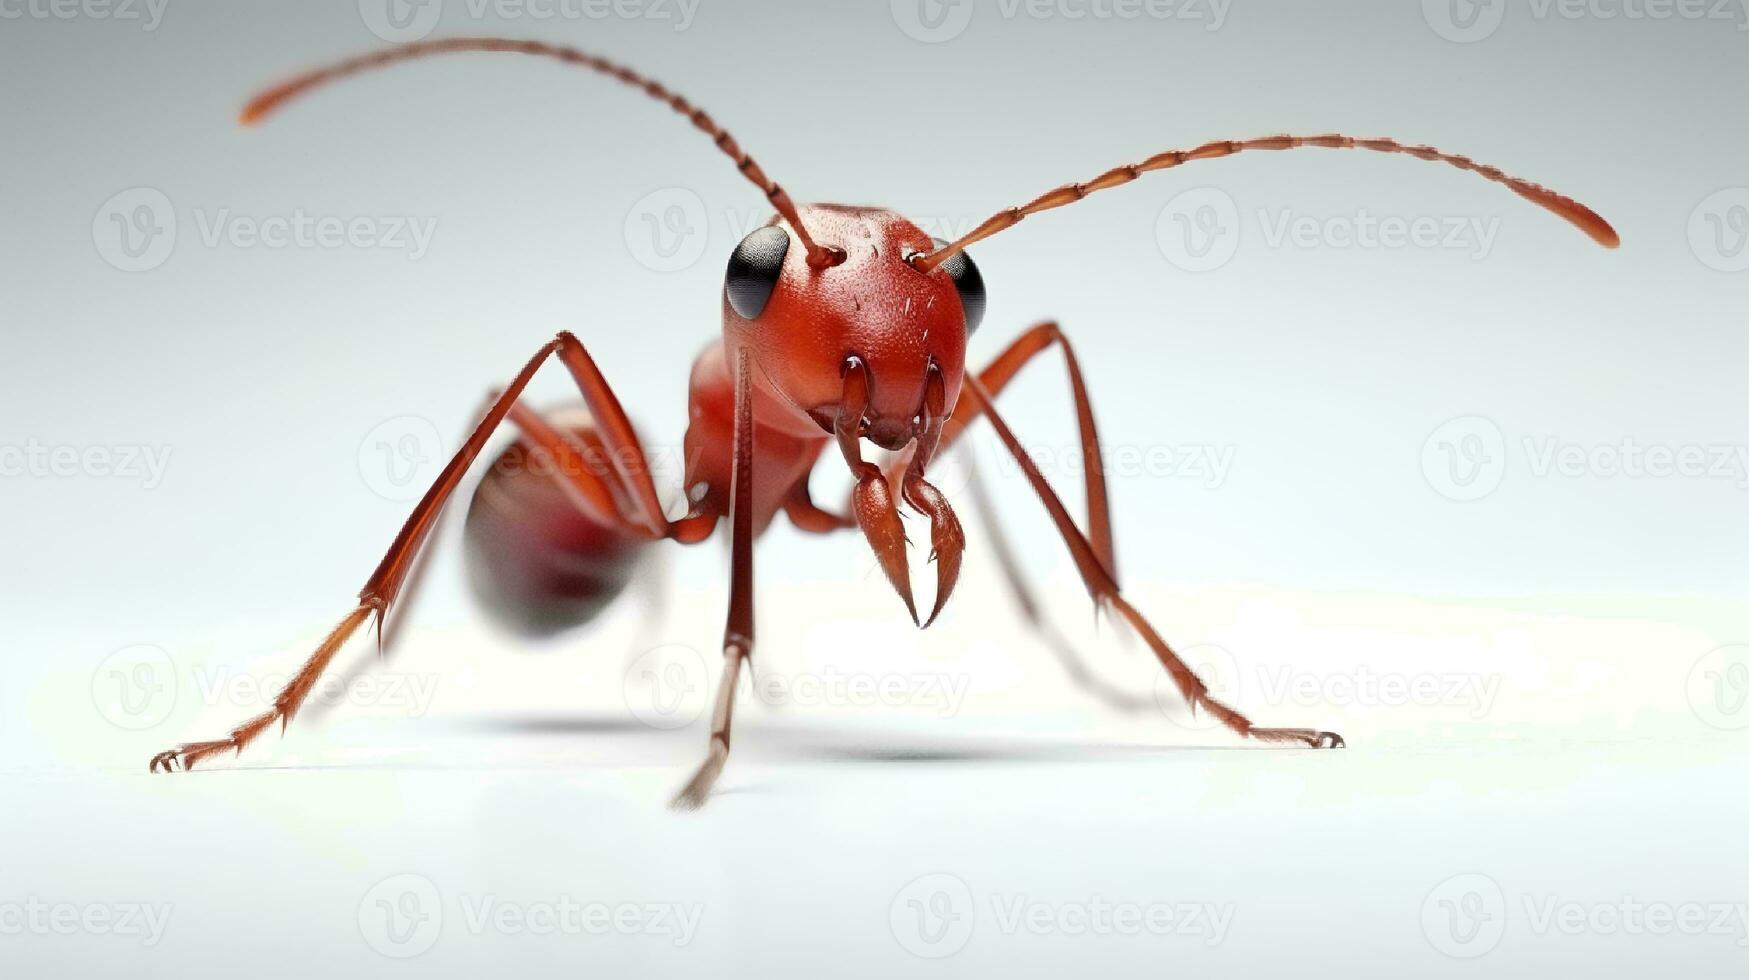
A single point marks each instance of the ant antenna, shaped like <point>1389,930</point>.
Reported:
<point>819,256</point>
<point>1582,217</point>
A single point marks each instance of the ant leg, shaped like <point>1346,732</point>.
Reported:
<point>286,705</point>
<point>1104,590</point>
<point>996,377</point>
<point>625,451</point>
<point>587,483</point>
<point>385,583</point>
<point>379,591</point>
<point>807,516</point>
<point>1073,663</point>
<point>738,633</point>
<point>575,471</point>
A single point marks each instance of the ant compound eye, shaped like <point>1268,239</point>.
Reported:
<point>970,283</point>
<point>754,269</point>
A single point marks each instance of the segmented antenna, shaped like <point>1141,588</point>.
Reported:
<point>259,107</point>
<point>1582,217</point>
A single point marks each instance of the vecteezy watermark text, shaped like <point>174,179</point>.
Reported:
<point>670,229</point>
<point>1469,21</point>
<point>137,230</point>
<point>1202,229</point>
<point>401,21</point>
<point>1467,915</point>
<point>147,13</point>
<point>134,920</point>
<point>936,21</point>
<point>1468,458</point>
<point>1207,465</point>
<point>411,694</point>
<point>669,687</point>
<point>300,229</point>
<point>1364,230</point>
<point>404,915</point>
<point>1219,669</point>
<point>936,915</point>
<point>34,459</point>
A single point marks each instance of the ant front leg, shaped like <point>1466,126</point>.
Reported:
<point>809,517</point>
<point>1071,660</point>
<point>385,584</point>
<point>738,633</point>
<point>996,377</point>
<point>1104,589</point>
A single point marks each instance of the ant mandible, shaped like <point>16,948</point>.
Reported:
<point>840,324</point>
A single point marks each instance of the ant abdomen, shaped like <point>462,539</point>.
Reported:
<point>538,563</point>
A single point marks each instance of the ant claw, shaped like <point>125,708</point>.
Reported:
<point>183,757</point>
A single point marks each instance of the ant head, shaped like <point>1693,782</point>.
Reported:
<point>804,320</point>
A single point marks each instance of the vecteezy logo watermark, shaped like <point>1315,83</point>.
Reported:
<point>400,21</point>
<point>1464,916</point>
<point>667,230</point>
<point>932,21</point>
<point>1198,230</point>
<point>409,694</point>
<point>945,693</point>
<point>667,687</point>
<point>400,458</point>
<point>1549,456</point>
<point>1468,21</point>
<point>303,230</point>
<point>1207,465</point>
<point>935,21</point>
<point>138,687</point>
<point>135,230</point>
<point>1280,686</point>
<point>135,687</point>
<point>403,916</point>
<point>149,13</point>
<point>1718,230</point>
<point>1201,230</point>
<point>32,459</point>
<point>679,13</point>
<point>1464,21</point>
<point>1369,688</point>
<point>566,916</point>
<point>1718,688</point>
<point>666,463</point>
<point>1471,235</point>
<point>1465,459</point>
<point>1630,916</point>
<point>935,916</point>
<point>135,920</point>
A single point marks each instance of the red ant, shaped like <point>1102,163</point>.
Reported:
<point>840,324</point>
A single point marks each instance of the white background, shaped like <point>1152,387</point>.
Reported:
<point>1577,624</point>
